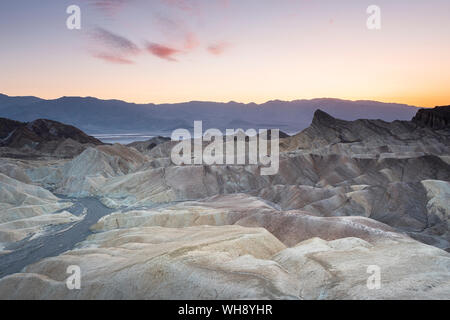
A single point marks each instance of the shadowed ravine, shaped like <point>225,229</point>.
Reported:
<point>60,239</point>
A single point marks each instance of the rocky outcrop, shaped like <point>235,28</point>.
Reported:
<point>87,173</point>
<point>44,137</point>
<point>328,134</point>
<point>146,146</point>
<point>437,118</point>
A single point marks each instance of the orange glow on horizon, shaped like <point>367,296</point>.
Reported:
<point>288,51</point>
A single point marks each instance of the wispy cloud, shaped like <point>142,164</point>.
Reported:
<point>112,58</point>
<point>113,48</point>
<point>115,41</point>
<point>162,51</point>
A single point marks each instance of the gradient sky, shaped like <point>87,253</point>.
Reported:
<point>222,50</point>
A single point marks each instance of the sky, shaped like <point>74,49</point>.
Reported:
<point>167,51</point>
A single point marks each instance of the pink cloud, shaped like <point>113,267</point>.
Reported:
<point>176,30</point>
<point>112,58</point>
<point>162,51</point>
<point>218,48</point>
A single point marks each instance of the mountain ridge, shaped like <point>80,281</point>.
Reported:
<point>2,95</point>
<point>94,115</point>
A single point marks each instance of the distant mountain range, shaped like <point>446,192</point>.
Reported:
<point>96,116</point>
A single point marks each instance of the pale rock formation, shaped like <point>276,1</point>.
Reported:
<point>228,262</point>
<point>290,227</point>
<point>14,170</point>
<point>438,193</point>
<point>338,269</point>
<point>86,173</point>
<point>232,262</point>
<point>25,208</point>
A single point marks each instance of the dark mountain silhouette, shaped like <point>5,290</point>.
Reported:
<point>43,137</point>
<point>437,118</point>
